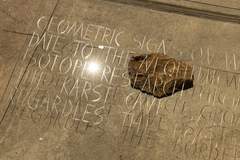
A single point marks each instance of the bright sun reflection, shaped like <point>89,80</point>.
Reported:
<point>93,67</point>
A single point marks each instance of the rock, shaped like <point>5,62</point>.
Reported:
<point>159,75</point>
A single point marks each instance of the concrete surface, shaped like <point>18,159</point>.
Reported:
<point>54,107</point>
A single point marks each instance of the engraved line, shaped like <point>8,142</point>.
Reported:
<point>17,32</point>
<point>215,5</point>
<point>182,10</point>
<point>8,106</point>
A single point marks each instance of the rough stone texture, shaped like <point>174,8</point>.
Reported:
<point>159,75</point>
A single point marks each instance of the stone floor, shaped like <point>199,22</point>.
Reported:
<point>65,92</point>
